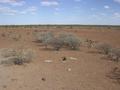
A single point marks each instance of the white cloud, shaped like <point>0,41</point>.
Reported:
<point>29,10</point>
<point>93,9</point>
<point>117,15</point>
<point>7,11</point>
<point>32,9</point>
<point>18,3</point>
<point>118,1</point>
<point>78,0</point>
<point>13,2</point>
<point>7,1</point>
<point>106,7</point>
<point>56,13</point>
<point>11,11</point>
<point>49,3</point>
<point>57,9</point>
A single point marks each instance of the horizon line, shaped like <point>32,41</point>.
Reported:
<point>59,24</point>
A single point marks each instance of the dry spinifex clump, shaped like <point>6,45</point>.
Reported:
<point>114,54</point>
<point>103,48</point>
<point>16,56</point>
<point>115,74</point>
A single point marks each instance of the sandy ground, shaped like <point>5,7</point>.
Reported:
<point>88,72</point>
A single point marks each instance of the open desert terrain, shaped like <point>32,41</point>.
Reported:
<point>83,69</point>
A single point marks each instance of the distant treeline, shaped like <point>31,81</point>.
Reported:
<point>116,27</point>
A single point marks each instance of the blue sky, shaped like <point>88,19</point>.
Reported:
<point>103,12</point>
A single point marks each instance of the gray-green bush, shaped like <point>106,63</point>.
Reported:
<point>70,40</point>
<point>44,37</point>
<point>67,40</point>
<point>57,43</point>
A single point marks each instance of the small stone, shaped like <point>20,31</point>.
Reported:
<point>72,58</point>
<point>48,61</point>
<point>64,58</point>
<point>69,69</point>
<point>43,79</point>
<point>4,86</point>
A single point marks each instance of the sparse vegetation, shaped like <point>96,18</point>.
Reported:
<point>15,36</point>
<point>90,43</point>
<point>103,48</point>
<point>56,43</point>
<point>16,56</point>
<point>62,39</point>
<point>44,37</point>
<point>72,41</point>
<point>115,74</point>
<point>114,54</point>
<point>68,40</point>
<point>3,35</point>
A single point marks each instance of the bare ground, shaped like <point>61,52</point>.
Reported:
<point>88,72</point>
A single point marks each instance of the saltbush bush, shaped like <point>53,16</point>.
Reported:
<point>44,37</point>
<point>56,43</point>
<point>67,40</point>
<point>70,40</point>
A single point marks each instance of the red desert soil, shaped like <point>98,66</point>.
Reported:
<point>88,72</point>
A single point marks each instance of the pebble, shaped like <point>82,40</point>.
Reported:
<point>72,58</point>
<point>48,61</point>
<point>69,69</point>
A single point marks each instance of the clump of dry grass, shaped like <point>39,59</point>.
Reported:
<point>115,74</point>
<point>104,48</point>
<point>3,35</point>
<point>16,56</point>
<point>90,43</point>
<point>114,54</point>
<point>15,36</point>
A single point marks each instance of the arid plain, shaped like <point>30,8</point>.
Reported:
<point>83,69</point>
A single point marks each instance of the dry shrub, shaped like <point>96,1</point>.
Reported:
<point>114,54</point>
<point>90,43</point>
<point>44,37</point>
<point>70,40</point>
<point>64,39</point>
<point>3,35</point>
<point>115,74</point>
<point>56,43</point>
<point>103,48</point>
<point>17,56</point>
<point>15,36</point>
<point>7,52</point>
